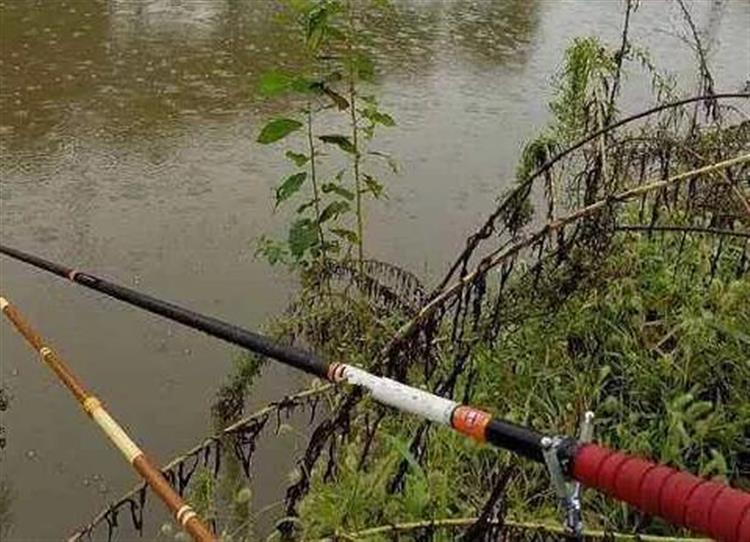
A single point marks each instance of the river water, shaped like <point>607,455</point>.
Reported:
<point>127,148</point>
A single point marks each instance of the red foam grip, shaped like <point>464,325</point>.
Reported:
<point>685,500</point>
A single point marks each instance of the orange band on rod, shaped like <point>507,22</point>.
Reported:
<point>471,422</point>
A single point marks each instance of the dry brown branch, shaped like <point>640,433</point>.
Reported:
<point>235,427</point>
<point>500,256</point>
<point>681,229</point>
<point>463,522</point>
<point>489,223</point>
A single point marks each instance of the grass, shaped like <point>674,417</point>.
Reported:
<point>656,348</point>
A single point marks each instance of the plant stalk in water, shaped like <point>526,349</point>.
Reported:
<point>355,135</point>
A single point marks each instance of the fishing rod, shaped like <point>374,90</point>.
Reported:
<point>183,512</point>
<point>683,499</point>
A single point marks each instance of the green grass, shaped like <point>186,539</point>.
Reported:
<point>659,352</point>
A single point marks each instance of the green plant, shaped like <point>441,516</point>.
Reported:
<point>656,354</point>
<point>654,340</point>
<point>648,330</point>
<point>332,79</point>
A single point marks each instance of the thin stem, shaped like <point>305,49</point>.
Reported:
<point>314,179</point>
<point>200,450</point>
<point>743,200</point>
<point>619,58</point>
<point>706,80</point>
<point>355,138</point>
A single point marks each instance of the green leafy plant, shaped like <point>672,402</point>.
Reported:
<point>654,343</point>
<point>332,80</point>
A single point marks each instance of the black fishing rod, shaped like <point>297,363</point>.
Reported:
<point>704,506</point>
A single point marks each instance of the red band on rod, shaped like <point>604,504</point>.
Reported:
<point>683,499</point>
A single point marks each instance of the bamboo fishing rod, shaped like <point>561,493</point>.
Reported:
<point>683,499</point>
<point>183,512</point>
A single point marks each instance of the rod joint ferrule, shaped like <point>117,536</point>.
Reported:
<point>184,514</point>
<point>91,404</point>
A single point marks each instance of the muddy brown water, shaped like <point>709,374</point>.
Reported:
<point>127,148</point>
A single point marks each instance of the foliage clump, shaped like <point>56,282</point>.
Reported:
<point>638,311</point>
<point>659,356</point>
<point>330,222</point>
<point>626,293</point>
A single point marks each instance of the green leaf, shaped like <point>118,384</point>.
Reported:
<point>698,410</point>
<point>373,186</point>
<point>333,210</point>
<point>298,158</point>
<point>682,401</point>
<point>338,99</point>
<point>303,85</point>
<point>278,129</point>
<point>303,235</point>
<point>274,251</point>
<point>363,66</point>
<point>337,189</point>
<point>717,466</point>
<point>384,118</point>
<point>403,450</point>
<point>341,141</point>
<point>290,185</point>
<point>378,117</point>
<point>318,23</point>
<point>243,496</point>
<point>349,235</point>
<point>305,206</point>
<point>388,158</point>
<point>274,82</point>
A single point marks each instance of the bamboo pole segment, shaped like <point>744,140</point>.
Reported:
<point>184,514</point>
<point>202,447</point>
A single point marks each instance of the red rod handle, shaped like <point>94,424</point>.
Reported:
<point>685,500</point>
